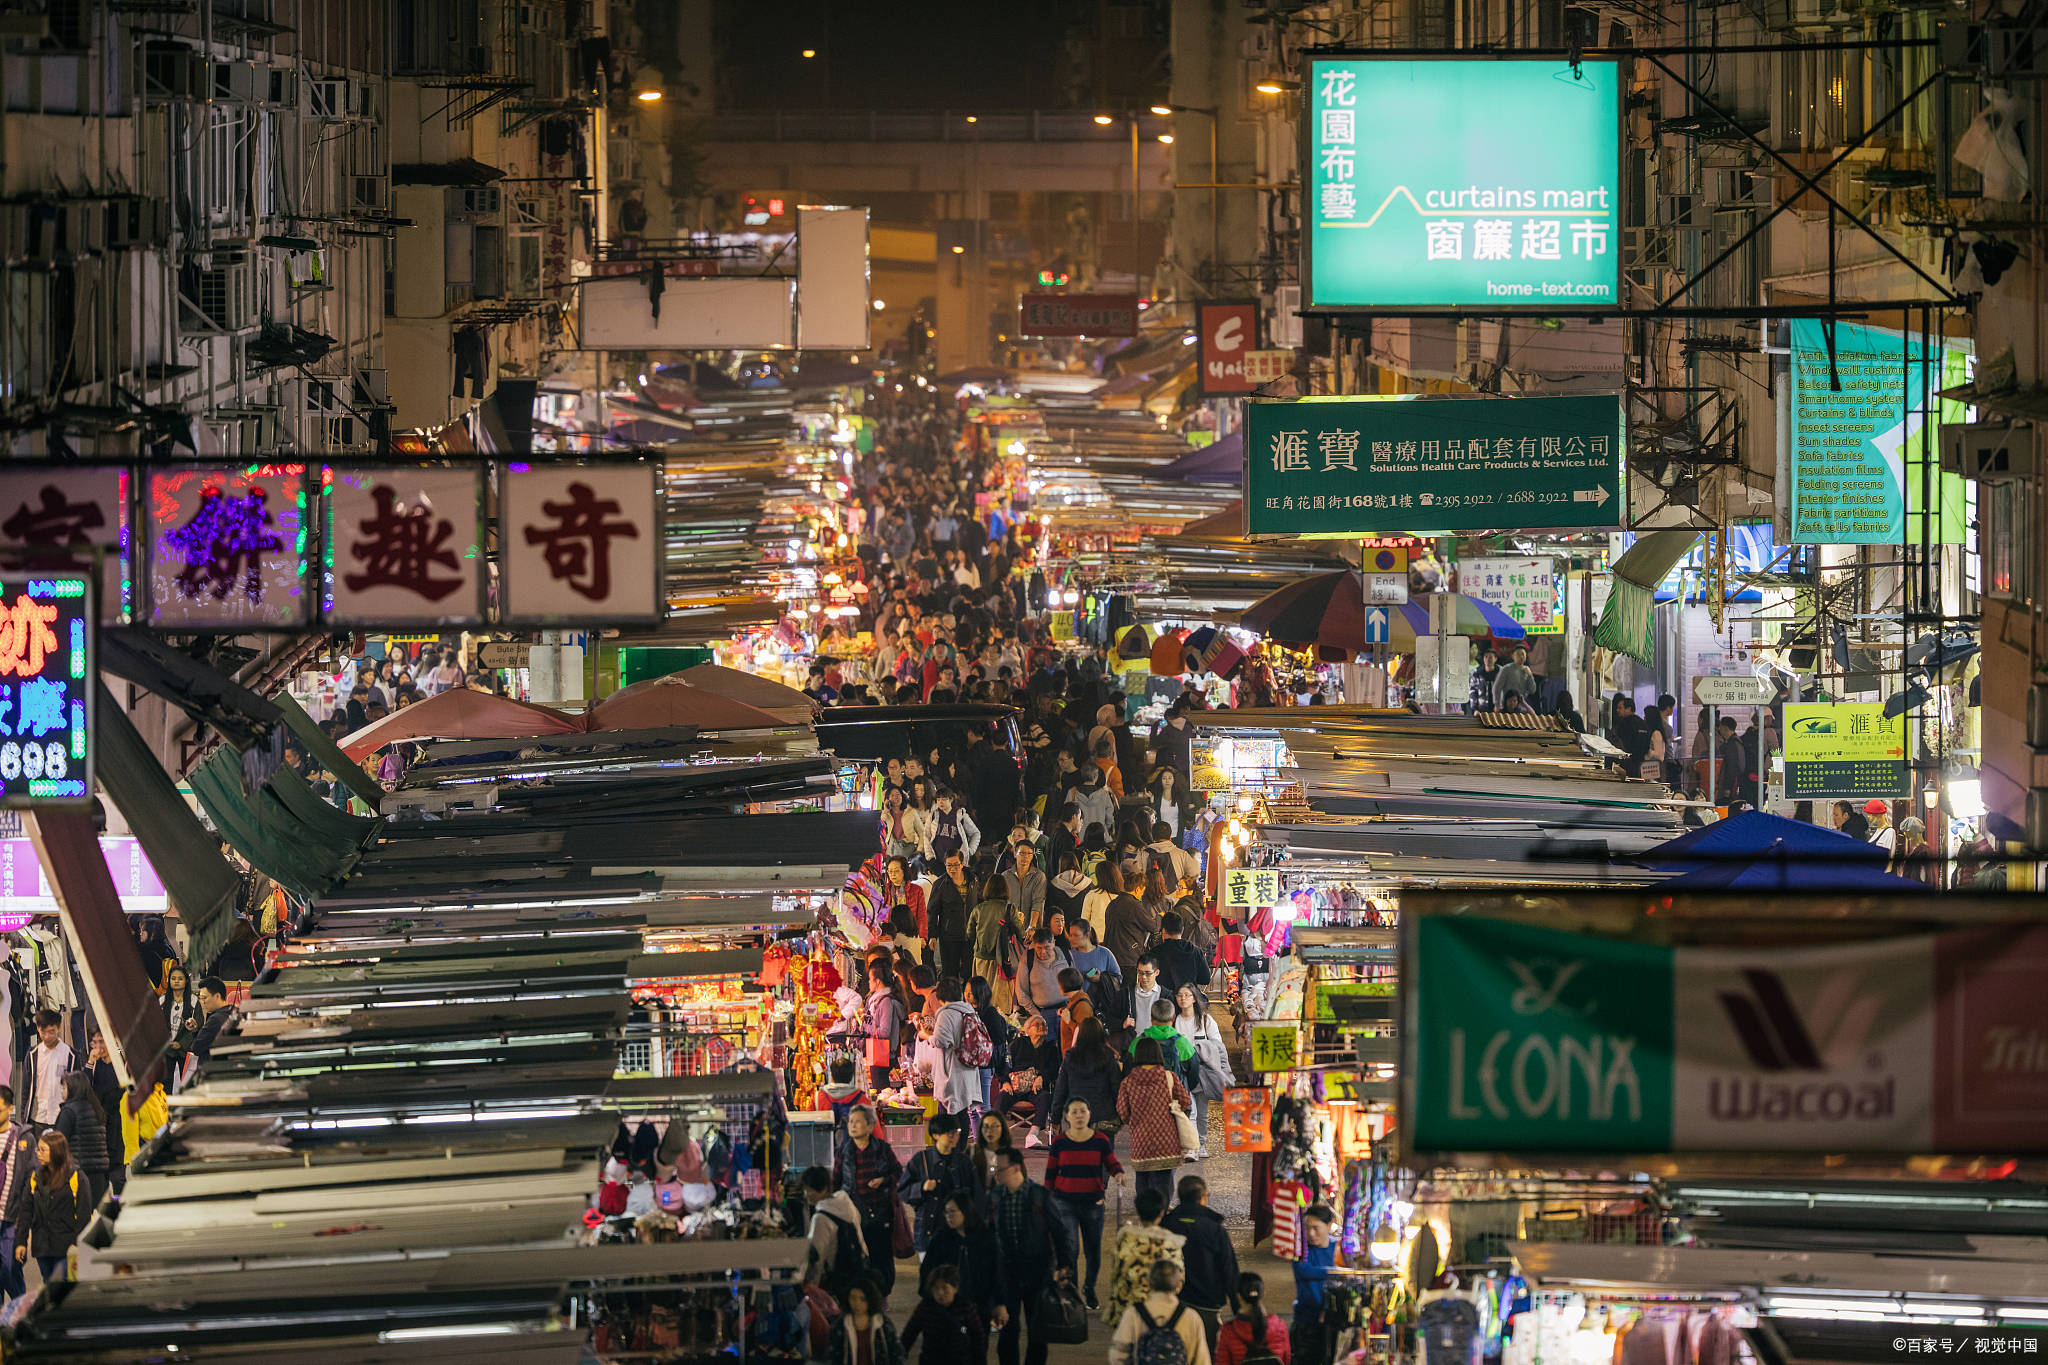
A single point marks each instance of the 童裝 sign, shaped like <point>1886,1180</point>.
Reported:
<point>1524,1038</point>
<point>1462,183</point>
<point>1363,465</point>
<point>47,674</point>
<point>1844,750</point>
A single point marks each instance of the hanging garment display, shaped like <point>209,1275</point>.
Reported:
<point>1248,1119</point>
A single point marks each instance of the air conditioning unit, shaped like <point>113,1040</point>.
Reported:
<point>1283,329</point>
<point>1989,452</point>
<point>175,73</point>
<point>227,296</point>
<point>330,99</point>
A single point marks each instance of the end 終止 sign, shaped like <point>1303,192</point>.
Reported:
<point>47,671</point>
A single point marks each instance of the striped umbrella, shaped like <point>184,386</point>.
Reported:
<point>1474,617</point>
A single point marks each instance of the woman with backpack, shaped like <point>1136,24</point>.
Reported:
<point>1252,1336</point>
<point>84,1125</point>
<point>1162,1328</point>
<point>1193,1022</point>
<point>54,1208</point>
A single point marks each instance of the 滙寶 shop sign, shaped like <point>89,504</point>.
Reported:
<point>1366,465</point>
<point>1525,589</point>
<point>1488,182</point>
<point>1845,750</point>
<point>1532,1039</point>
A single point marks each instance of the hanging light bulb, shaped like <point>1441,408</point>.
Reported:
<point>1386,1243</point>
<point>1245,804</point>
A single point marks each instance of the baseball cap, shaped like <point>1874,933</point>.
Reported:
<point>1875,807</point>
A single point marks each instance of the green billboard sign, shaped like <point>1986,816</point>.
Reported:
<point>1489,182</point>
<point>1368,464</point>
<point>1861,439</point>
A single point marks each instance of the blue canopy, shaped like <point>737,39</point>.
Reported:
<point>1756,834</point>
<point>1758,852</point>
<point>1221,461</point>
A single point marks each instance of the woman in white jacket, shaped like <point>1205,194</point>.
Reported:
<point>1193,1022</point>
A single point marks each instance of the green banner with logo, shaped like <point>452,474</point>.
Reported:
<point>1520,1038</point>
<point>1369,464</point>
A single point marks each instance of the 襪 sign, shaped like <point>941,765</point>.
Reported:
<point>1488,183</point>
<point>1078,315</point>
<point>1845,750</point>
<point>48,638</point>
<point>1368,464</point>
<point>1531,1039</point>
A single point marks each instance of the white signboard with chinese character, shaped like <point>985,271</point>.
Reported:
<point>1525,589</point>
<point>404,546</point>
<point>226,547</point>
<point>579,543</point>
<point>1264,367</point>
<point>75,508</point>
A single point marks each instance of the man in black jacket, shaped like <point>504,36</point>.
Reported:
<point>213,998</point>
<point>1211,1259</point>
<point>1179,963</point>
<point>17,1159</point>
<point>1033,1253</point>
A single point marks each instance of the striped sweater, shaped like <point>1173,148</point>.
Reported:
<point>1080,1171</point>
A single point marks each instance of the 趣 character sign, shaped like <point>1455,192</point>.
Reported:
<point>580,542</point>
<point>403,546</point>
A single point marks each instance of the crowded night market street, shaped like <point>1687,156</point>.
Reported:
<point>1165,682</point>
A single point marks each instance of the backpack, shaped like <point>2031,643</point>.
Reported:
<point>1161,1343</point>
<point>1112,1004</point>
<point>977,1049</point>
<point>849,1263</point>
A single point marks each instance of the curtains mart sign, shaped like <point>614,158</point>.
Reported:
<point>1367,465</point>
<point>1501,187</point>
<point>1532,1039</point>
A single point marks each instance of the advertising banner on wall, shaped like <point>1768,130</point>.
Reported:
<point>1845,750</point>
<point>580,543</point>
<point>227,547</point>
<point>1526,589</point>
<point>1365,464</point>
<point>1858,451</point>
<point>1525,1038</point>
<point>404,546</point>
<point>1226,334</point>
<point>1078,315</point>
<point>75,509</point>
<point>1456,210</point>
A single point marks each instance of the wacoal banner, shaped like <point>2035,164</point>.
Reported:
<point>1523,1038</point>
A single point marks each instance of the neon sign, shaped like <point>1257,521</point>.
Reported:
<point>46,689</point>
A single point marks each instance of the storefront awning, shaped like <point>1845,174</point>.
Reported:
<point>1625,625</point>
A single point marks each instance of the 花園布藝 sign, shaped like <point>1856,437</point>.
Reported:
<point>1525,589</point>
<point>1845,750</point>
<point>1462,183</point>
<point>1858,451</point>
<point>1532,1039</point>
<point>47,675</point>
<point>1363,465</point>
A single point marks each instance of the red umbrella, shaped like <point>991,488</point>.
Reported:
<point>659,705</point>
<point>461,714</point>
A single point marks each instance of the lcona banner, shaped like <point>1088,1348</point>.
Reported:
<point>1523,1038</point>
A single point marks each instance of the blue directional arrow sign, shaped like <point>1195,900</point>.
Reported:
<point>1376,626</point>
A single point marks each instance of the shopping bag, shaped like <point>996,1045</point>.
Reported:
<point>904,1244</point>
<point>1190,1136</point>
<point>878,1052</point>
<point>1059,1317</point>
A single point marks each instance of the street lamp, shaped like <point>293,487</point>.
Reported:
<point>1105,119</point>
<point>1166,138</point>
<point>1276,85</point>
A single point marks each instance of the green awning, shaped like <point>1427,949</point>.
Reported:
<point>1626,624</point>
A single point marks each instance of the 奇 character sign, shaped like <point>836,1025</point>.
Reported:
<point>578,544</point>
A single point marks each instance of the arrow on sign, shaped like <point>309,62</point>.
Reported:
<point>1376,626</point>
<point>1593,495</point>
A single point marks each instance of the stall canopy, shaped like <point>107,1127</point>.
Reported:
<point>664,703</point>
<point>1625,623</point>
<point>461,714</point>
<point>1221,461</point>
<point>1754,851</point>
<point>773,697</point>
